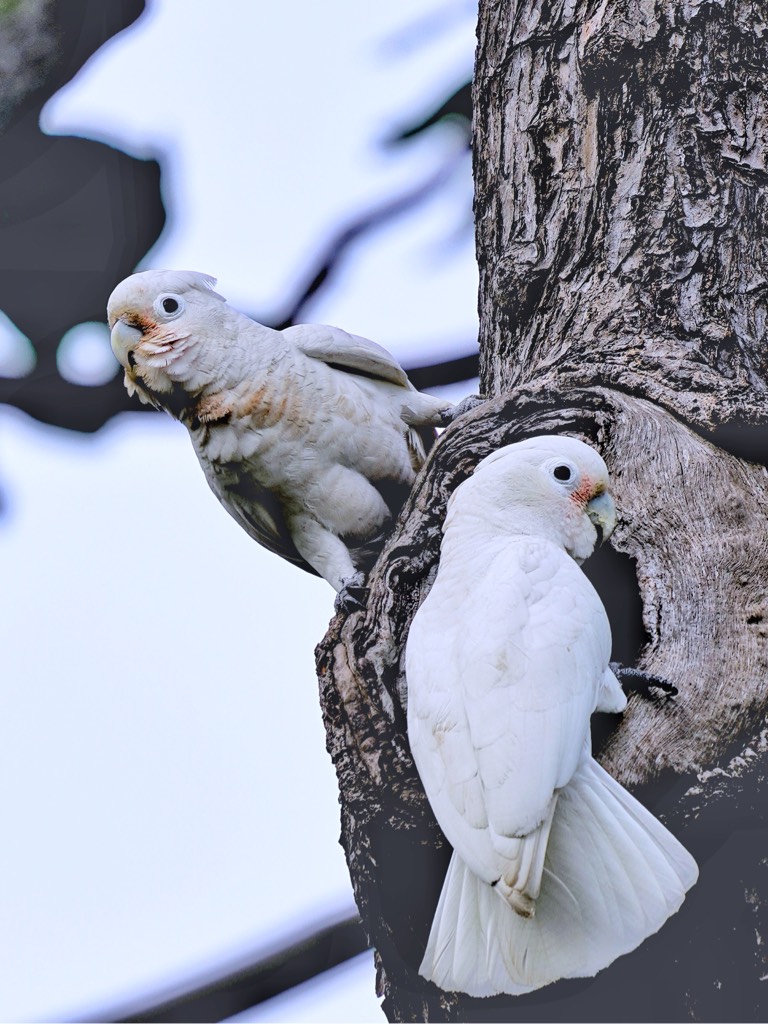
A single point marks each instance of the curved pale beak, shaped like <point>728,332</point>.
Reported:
<point>602,513</point>
<point>124,339</point>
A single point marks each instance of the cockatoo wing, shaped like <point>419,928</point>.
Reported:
<point>352,354</point>
<point>556,869</point>
<point>347,352</point>
<point>255,508</point>
<point>511,692</point>
<point>508,709</point>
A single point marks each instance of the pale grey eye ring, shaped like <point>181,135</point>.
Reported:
<point>169,306</point>
<point>562,471</point>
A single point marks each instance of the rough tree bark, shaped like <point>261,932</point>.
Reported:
<point>621,152</point>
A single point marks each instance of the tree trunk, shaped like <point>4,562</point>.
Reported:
<point>620,165</point>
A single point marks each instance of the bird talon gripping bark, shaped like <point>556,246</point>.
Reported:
<point>635,680</point>
<point>353,596</point>
<point>465,405</point>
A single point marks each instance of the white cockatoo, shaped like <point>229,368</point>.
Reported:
<point>557,869</point>
<point>310,437</point>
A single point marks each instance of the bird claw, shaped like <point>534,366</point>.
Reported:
<point>353,595</point>
<point>634,679</point>
<point>465,405</point>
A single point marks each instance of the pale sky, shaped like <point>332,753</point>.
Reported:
<point>164,779</point>
<point>267,152</point>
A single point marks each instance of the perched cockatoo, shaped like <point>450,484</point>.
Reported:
<point>310,437</point>
<point>557,869</point>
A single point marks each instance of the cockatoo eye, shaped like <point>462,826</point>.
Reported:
<point>563,472</point>
<point>168,307</point>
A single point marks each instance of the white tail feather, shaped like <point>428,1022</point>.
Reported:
<point>612,876</point>
<point>521,882</point>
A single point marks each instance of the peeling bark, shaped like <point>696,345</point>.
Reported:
<point>620,199</point>
<point>620,152</point>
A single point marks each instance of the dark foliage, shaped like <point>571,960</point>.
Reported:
<point>76,218</point>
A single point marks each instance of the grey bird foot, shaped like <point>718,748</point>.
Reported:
<point>353,595</point>
<point>465,405</point>
<point>634,679</point>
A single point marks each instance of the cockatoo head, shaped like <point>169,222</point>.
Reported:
<point>167,327</point>
<point>551,486</point>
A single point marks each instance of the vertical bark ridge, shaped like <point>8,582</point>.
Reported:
<point>620,201</point>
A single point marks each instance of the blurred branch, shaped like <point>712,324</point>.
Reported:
<point>261,979</point>
<point>457,109</point>
<point>51,399</point>
<point>330,259</point>
<point>450,371</point>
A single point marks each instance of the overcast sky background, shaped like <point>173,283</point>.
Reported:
<point>159,673</point>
